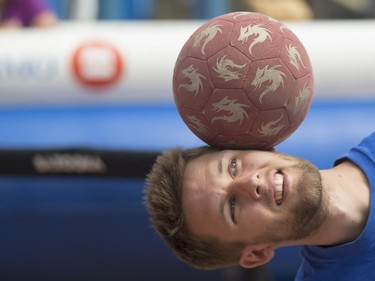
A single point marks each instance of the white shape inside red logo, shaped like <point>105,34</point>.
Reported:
<point>97,64</point>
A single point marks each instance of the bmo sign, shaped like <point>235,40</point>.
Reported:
<point>97,64</point>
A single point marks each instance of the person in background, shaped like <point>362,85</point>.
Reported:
<point>282,9</point>
<point>26,13</point>
<point>343,9</point>
<point>278,9</point>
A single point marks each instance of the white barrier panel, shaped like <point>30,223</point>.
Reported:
<point>130,62</point>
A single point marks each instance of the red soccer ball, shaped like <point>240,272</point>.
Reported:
<point>243,80</point>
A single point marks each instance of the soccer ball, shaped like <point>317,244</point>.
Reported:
<point>243,80</point>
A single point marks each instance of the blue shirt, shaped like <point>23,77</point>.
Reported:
<point>355,260</point>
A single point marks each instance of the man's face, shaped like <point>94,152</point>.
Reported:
<point>251,196</point>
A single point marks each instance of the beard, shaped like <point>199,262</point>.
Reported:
<point>308,212</point>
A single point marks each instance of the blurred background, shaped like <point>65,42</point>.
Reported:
<point>86,103</point>
<point>194,9</point>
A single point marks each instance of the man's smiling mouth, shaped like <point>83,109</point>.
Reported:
<point>279,189</point>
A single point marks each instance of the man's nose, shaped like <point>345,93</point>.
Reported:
<point>248,185</point>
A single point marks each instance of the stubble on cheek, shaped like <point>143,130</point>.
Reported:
<point>309,210</point>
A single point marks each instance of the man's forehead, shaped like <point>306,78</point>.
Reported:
<point>201,171</point>
<point>200,193</point>
<point>208,161</point>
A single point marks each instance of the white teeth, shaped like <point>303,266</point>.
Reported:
<point>279,180</point>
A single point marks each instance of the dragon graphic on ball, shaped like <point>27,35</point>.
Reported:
<point>243,80</point>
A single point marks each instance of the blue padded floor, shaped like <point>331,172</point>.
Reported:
<point>156,127</point>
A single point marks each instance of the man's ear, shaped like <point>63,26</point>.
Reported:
<point>253,257</point>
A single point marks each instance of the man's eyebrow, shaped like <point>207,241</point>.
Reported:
<point>222,210</point>
<point>220,166</point>
<point>223,199</point>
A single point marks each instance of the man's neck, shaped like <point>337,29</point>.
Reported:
<point>347,195</point>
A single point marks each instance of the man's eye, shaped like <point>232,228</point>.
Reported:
<point>232,208</point>
<point>232,167</point>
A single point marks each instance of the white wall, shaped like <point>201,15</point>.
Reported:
<point>36,66</point>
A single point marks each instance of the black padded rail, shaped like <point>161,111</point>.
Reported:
<point>76,162</point>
